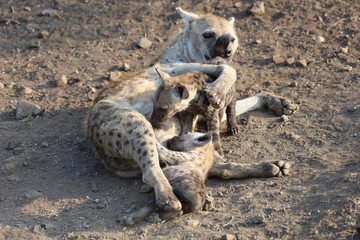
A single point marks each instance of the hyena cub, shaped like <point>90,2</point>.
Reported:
<point>186,165</point>
<point>201,106</point>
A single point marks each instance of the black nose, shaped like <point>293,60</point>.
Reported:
<point>222,48</point>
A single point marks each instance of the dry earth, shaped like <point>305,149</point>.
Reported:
<point>53,187</point>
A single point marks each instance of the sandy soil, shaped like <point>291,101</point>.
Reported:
<point>53,187</point>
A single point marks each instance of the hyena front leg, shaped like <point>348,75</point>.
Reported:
<point>213,124</point>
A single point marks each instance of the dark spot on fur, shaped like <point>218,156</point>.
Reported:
<point>97,135</point>
<point>95,116</point>
<point>104,107</point>
<point>152,150</point>
<point>142,144</point>
<point>112,132</point>
<point>143,165</point>
<point>144,153</point>
<point>126,142</point>
<point>119,135</point>
<point>130,131</point>
<point>139,151</point>
<point>110,144</point>
<point>129,124</point>
<point>146,131</point>
<point>118,145</point>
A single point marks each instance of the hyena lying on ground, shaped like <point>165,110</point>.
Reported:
<point>186,166</point>
<point>118,123</point>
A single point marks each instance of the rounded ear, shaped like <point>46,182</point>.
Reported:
<point>232,20</point>
<point>187,16</point>
<point>182,91</point>
<point>203,139</point>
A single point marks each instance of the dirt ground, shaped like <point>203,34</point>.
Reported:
<point>53,187</point>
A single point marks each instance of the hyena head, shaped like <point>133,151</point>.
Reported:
<point>190,141</point>
<point>210,36</point>
<point>175,94</point>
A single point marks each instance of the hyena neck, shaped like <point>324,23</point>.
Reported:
<point>181,51</point>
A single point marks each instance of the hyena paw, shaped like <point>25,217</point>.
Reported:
<point>279,105</point>
<point>279,168</point>
<point>233,129</point>
<point>215,97</point>
<point>169,202</point>
<point>128,220</point>
<point>218,148</point>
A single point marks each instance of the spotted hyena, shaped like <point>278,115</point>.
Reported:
<point>186,165</point>
<point>119,122</point>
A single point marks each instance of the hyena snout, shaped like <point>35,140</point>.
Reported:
<point>223,46</point>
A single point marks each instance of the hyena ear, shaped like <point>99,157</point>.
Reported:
<point>161,76</point>
<point>182,91</point>
<point>203,139</point>
<point>232,20</point>
<point>188,17</point>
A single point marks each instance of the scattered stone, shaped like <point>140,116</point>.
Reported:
<point>293,84</point>
<point>98,85</point>
<point>258,41</point>
<point>125,67</point>
<point>28,9</point>
<point>193,223</point>
<point>238,4</point>
<point>209,204</point>
<point>347,69</point>
<point>94,187</point>
<point>115,76</point>
<point>62,81</point>
<point>49,13</point>
<point>45,145</point>
<point>290,61</point>
<point>23,90</point>
<point>25,108</point>
<point>146,189</point>
<point>92,90</point>
<point>1,85</point>
<point>44,34</point>
<point>301,63</point>
<point>35,44</point>
<point>10,164</point>
<point>33,194</point>
<point>10,85</point>
<point>284,118</point>
<point>12,145</point>
<point>344,50</point>
<point>27,90</point>
<point>228,237</point>
<point>258,8</point>
<point>278,59</point>
<point>320,39</point>
<point>144,43</point>
<point>38,112</point>
<point>258,219</point>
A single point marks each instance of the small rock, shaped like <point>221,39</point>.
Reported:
<point>290,61</point>
<point>154,218</point>
<point>10,85</point>
<point>193,223</point>
<point>347,69</point>
<point>258,41</point>
<point>115,76</point>
<point>125,67</point>
<point>94,187</point>
<point>35,44</point>
<point>320,39</point>
<point>62,81</point>
<point>28,9</point>
<point>238,4</point>
<point>301,63</point>
<point>278,59</point>
<point>146,189</point>
<point>284,118</point>
<point>228,237</point>
<point>144,43</point>
<point>44,144</point>
<point>23,90</point>
<point>98,85</point>
<point>32,194</point>
<point>25,108</point>
<point>258,219</point>
<point>12,145</point>
<point>44,34</point>
<point>258,8</point>
<point>344,50</point>
<point>293,84</point>
<point>209,204</point>
<point>92,90</point>
<point>38,112</point>
<point>1,85</point>
<point>294,136</point>
<point>10,164</point>
<point>49,13</point>
<point>27,90</point>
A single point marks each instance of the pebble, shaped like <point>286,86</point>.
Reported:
<point>35,44</point>
<point>345,50</point>
<point>99,85</point>
<point>228,237</point>
<point>193,223</point>
<point>44,144</point>
<point>1,85</point>
<point>10,164</point>
<point>293,84</point>
<point>125,67</point>
<point>284,118</point>
<point>115,76</point>
<point>32,194</point>
<point>25,108</point>
<point>10,85</point>
<point>258,219</point>
<point>38,112</point>
<point>144,43</point>
<point>278,59</point>
<point>28,9</point>
<point>209,204</point>
<point>94,187</point>
<point>347,69</point>
<point>258,8</point>
<point>62,81</point>
<point>238,4</point>
<point>258,41</point>
<point>146,189</point>
<point>290,61</point>
<point>320,39</point>
<point>49,13</point>
<point>301,63</point>
<point>44,34</point>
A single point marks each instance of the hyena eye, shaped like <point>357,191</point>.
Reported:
<point>208,34</point>
<point>164,107</point>
<point>232,39</point>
